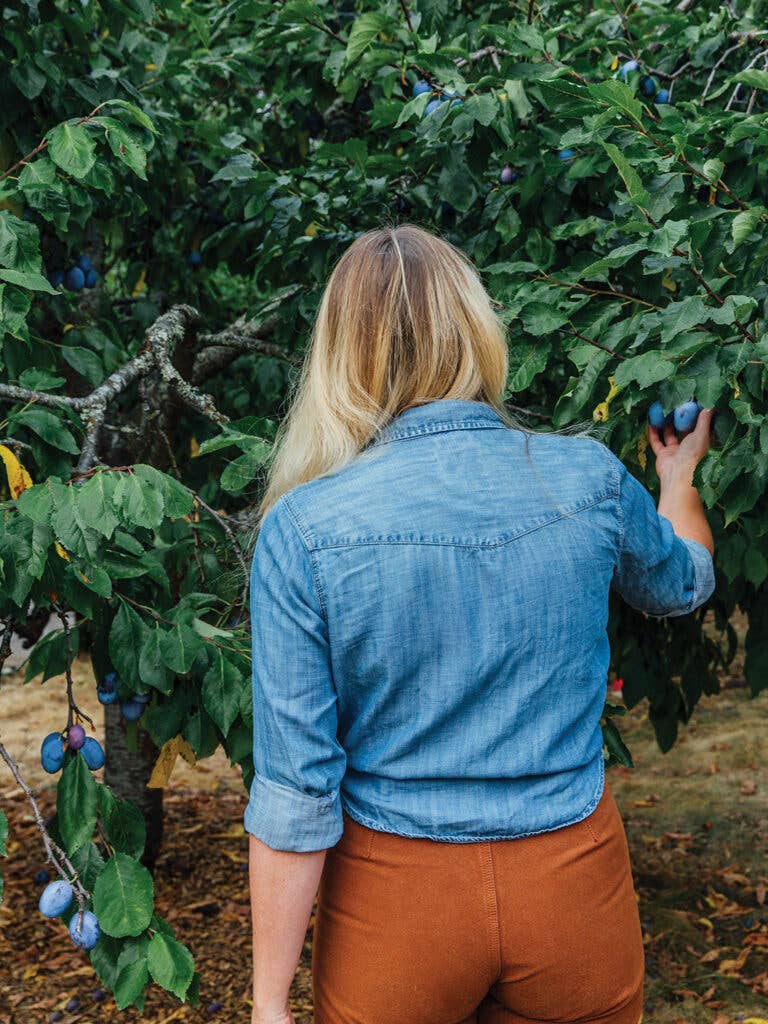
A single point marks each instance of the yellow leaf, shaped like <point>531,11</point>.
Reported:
<point>736,390</point>
<point>62,553</point>
<point>755,1020</point>
<point>18,478</point>
<point>615,63</point>
<point>150,67</point>
<point>194,448</point>
<point>600,412</point>
<point>667,282</point>
<point>67,327</point>
<point>642,446</point>
<point>186,751</point>
<point>503,96</point>
<point>400,150</point>
<point>139,286</point>
<point>166,759</point>
<point>311,229</point>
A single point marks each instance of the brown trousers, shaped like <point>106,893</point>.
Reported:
<point>540,928</point>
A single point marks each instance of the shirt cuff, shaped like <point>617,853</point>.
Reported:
<point>287,819</point>
<point>703,574</point>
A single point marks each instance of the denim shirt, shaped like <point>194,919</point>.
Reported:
<point>429,630</point>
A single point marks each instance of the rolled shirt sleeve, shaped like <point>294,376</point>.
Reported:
<point>294,799</point>
<point>657,572</point>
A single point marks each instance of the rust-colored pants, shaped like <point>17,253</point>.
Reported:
<point>538,928</point>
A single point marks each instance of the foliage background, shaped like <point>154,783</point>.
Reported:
<point>265,136</point>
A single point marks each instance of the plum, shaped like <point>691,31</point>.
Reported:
<point>194,259</point>
<point>656,416</point>
<point>99,995</point>
<point>662,96</point>
<point>106,689</point>
<point>76,737</point>
<point>41,877</point>
<point>56,279</point>
<point>214,1006</point>
<point>91,278</point>
<point>686,416</point>
<point>131,709</point>
<point>84,263</point>
<point>84,929</point>
<point>52,753</point>
<point>432,106</point>
<point>565,154</point>
<point>74,279</point>
<point>141,698</point>
<point>421,87</point>
<point>55,898</point>
<point>92,753</point>
<point>73,1005</point>
<point>627,67</point>
<point>508,175</point>
<point>647,86</point>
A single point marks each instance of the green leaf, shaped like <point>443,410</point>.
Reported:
<point>618,96</point>
<point>139,503</point>
<point>125,641</point>
<point>177,499</point>
<point>241,471</point>
<point>124,825</point>
<point>713,170</point>
<point>752,77</point>
<point>222,684</point>
<point>123,897</point>
<point>127,147</point>
<point>95,503</point>
<point>179,647</point>
<point>76,803</point>
<point>170,964</point>
<point>525,364</point>
<point>647,369</point>
<point>151,664</point>
<point>130,983</point>
<point>72,148</point>
<point>629,175</point>
<point>46,424</point>
<point>363,32</point>
<point>88,863</point>
<point>744,223</point>
<point>615,745</point>
<point>19,243</point>
<point>48,657</point>
<point>29,279</point>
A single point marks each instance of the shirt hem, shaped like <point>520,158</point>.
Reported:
<point>363,819</point>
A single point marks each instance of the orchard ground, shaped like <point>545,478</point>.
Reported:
<point>696,820</point>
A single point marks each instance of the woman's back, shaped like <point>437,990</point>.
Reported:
<point>439,606</point>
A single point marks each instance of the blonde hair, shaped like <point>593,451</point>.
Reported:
<point>404,320</point>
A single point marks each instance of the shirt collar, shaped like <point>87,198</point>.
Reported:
<point>438,415</point>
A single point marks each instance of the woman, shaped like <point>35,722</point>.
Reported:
<point>429,602</point>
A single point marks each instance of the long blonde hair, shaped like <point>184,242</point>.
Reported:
<point>404,320</point>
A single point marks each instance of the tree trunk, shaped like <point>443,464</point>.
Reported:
<point>127,772</point>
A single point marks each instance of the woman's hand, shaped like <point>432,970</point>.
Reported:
<point>673,454</point>
<point>282,1016</point>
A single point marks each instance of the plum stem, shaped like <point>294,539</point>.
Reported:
<point>73,710</point>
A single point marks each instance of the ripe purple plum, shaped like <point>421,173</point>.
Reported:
<point>686,416</point>
<point>76,737</point>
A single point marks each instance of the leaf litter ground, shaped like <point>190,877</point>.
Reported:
<point>696,820</point>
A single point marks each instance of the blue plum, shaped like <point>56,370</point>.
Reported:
<point>141,698</point>
<point>686,416</point>
<point>84,263</point>
<point>52,753</point>
<point>432,106</point>
<point>656,416</point>
<point>56,279</point>
<point>55,898</point>
<point>627,67</point>
<point>131,709</point>
<point>41,877</point>
<point>84,929</point>
<point>74,279</point>
<point>647,86</point>
<point>93,755</point>
<point>194,259</point>
<point>565,154</point>
<point>106,688</point>
<point>91,278</point>
<point>508,175</point>
<point>421,87</point>
<point>662,96</point>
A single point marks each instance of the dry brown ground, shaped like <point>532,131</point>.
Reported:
<point>696,820</point>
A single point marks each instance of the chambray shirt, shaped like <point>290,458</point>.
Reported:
<point>429,630</point>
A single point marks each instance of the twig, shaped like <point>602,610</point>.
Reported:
<point>74,711</point>
<point>718,64</point>
<point>56,855</point>
<point>43,144</point>
<point>407,14</point>
<point>735,93</point>
<point>487,51</point>
<point>221,520</point>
